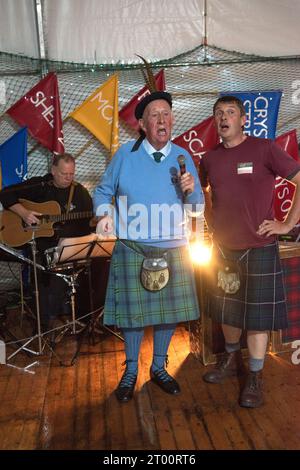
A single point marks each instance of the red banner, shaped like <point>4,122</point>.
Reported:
<point>199,139</point>
<point>284,190</point>
<point>39,110</point>
<point>127,112</point>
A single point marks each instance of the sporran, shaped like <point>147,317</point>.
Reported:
<point>229,273</point>
<point>228,277</point>
<point>155,274</point>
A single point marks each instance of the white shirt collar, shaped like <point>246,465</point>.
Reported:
<point>150,149</point>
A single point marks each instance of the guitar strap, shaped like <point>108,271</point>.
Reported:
<point>71,192</point>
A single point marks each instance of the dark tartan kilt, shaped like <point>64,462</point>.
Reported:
<point>129,305</point>
<point>260,303</point>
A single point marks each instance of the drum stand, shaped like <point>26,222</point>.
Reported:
<point>71,279</point>
<point>95,324</point>
<point>75,253</point>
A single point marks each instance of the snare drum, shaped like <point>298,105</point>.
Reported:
<point>54,262</point>
<point>78,251</point>
<point>52,256</point>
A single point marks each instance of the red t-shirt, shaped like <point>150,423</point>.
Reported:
<point>242,181</point>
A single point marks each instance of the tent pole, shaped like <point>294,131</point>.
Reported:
<point>40,36</point>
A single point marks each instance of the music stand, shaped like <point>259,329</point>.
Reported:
<point>74,253</point>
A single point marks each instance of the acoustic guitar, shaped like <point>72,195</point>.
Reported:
<point>16,233</point>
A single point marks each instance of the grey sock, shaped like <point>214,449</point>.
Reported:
<point>255,365</point>
<point>231,347</point>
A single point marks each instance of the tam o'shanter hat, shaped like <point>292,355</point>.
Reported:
<point>154,93</point>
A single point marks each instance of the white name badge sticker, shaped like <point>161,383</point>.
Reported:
<point>244,168</point>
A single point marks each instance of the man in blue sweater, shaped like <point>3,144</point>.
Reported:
<point>151,279</point>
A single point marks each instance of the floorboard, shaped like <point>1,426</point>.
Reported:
<point>74,406</point>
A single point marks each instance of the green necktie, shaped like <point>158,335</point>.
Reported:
<point>157,156</point>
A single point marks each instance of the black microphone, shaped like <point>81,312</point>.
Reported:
<point>182,168</point>
<point>181,162</point>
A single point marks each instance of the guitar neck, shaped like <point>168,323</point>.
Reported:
<point>65,217</point>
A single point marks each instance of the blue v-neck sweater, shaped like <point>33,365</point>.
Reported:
<point>149,205</point>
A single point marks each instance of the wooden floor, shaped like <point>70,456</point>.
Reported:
<point>75,408</point>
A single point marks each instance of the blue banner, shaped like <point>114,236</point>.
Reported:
<point>261,110</point>
<point>13,158</point>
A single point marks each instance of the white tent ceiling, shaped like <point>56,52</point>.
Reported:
<point>110,31</point>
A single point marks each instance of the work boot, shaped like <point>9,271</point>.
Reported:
<point>252,394</point>
<point>231,364</point>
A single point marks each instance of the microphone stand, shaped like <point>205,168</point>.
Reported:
<point>27,185</point>
<point>36,292</point>
<point>37,303</point>
<point>39,334</point>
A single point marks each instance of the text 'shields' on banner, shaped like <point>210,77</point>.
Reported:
<point>39,111</point>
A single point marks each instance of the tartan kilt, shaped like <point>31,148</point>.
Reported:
<point>260,303</point>
<point>129,305</point>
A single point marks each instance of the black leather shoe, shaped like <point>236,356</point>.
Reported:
<point>125,389</point>
<point>165,381</point>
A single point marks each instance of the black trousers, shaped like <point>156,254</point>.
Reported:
<point>53,297</point>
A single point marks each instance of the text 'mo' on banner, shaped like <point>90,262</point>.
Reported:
<point>99,114</point>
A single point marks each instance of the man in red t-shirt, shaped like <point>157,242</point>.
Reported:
<point>238,179</point>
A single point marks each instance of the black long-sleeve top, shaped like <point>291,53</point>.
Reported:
<point>42,189</point>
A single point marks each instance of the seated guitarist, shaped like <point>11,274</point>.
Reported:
<point>59,186</point>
